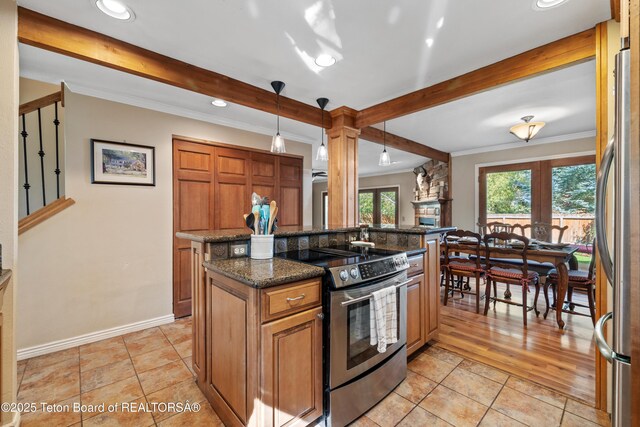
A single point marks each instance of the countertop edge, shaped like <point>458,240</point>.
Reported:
<point>312,272</point>
<point>212,238</point>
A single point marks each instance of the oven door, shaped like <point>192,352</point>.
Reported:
<point>351,351</point>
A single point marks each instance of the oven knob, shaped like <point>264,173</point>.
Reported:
<point>398,262</point>
<point>354,273</point>
<point>344,275</point>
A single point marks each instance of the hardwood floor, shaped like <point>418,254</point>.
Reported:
<point>563,360</point>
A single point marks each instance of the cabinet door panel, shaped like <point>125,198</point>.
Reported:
<point>232,204</point>
<point>290,170</point>
<point>292,369</point>
<point>415,314</point>
<point>264,168</point>
<point>289,210</point>
<point>193,210</point>
<point>227,347</point>
<point>432,286</point>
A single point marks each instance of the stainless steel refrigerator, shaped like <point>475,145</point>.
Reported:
<point>617,264</point>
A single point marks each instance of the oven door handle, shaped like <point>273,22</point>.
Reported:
<point>366,297</point>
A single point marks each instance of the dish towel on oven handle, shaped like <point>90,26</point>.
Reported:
<point>383,318</point>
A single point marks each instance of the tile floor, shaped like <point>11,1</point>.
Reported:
<point>444,389</point>
<point>149,366</point>
<point>153,366</point>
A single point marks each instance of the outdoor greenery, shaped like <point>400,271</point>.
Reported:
<point>387,207</point>
<point>574,189</point>
<point>509,192</point>
<point>366,207</point>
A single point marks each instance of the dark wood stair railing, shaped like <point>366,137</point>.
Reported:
<point>61,203</point>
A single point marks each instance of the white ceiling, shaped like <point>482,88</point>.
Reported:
<point>565,100</point>
<point>381,53</point>
<point>380,45</point>
<point>93,80</point>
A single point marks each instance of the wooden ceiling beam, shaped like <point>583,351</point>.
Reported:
<point>375,135</point>
<point>561,53</point>
<point>51,34</point>
<point>615,10</point>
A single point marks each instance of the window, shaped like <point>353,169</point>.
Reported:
<point>378,206</point>
<point>559,191</point>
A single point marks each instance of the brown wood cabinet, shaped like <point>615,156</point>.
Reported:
<point>263,353</point>
<point>423,297</point>
<point>416,312</point>
<point>432,288</point>
<point>212,186</point>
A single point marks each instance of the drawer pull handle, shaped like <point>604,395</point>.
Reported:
<point>414,265</point>
<point>296,298</point>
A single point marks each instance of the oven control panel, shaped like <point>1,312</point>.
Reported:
<point>350,275</point>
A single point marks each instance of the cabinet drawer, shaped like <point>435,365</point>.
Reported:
<point>285,300</point>
<point>416,265</point>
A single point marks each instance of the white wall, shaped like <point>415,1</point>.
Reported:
<point>464,172</point>
<point>107,260</point>
<point>406,181</point>
<point>8,194</point>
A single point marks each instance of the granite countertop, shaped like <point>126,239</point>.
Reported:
<point>215,236</point>
<point>264,273</point>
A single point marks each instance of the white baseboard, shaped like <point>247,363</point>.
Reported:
<point>38,350</point>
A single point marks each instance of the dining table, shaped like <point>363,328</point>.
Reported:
<point>557,255</point>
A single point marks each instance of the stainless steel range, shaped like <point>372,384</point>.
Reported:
<point>356,375</point>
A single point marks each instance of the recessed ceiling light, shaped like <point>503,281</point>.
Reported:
<point>115,9</point>
<point>325,60</point>
<point>429,42</point>
<point>219,103</point>
<point>440,22</point>
<point>547,4</point>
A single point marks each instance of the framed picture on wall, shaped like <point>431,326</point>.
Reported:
<point>121,163</point>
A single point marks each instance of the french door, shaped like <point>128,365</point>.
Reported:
<point>557,191</point>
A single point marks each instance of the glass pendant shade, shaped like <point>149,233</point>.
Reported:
<point>527,130</point>
<point>385,159</point>
<point>323,154</point>
<point>277,144</point>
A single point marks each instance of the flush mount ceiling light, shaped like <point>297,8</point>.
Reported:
<point>219,103</point>
<point>527,130</point>
<point>547,4</point>
<point>322,155</point>
<point>325,60</point>
<point>115,9</point>
<point>277,143</point>
<point>385,159</point>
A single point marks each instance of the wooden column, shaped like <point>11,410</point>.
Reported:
<point>343,168</point>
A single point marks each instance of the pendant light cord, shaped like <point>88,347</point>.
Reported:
<point>278,110</point>
<point>384,137</point>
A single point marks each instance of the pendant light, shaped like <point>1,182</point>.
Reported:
<point>277,143</point>
<point>385,159</point>
<point>323,154</point>
<point>527,130</point>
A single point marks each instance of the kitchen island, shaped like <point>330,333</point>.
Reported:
<point>257,345</point>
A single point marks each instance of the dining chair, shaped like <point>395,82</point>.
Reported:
<point>578,279</point>
<point>457,266</point>
<point>540,231</point>
<point>495,227</point>
<point>511,274</point>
